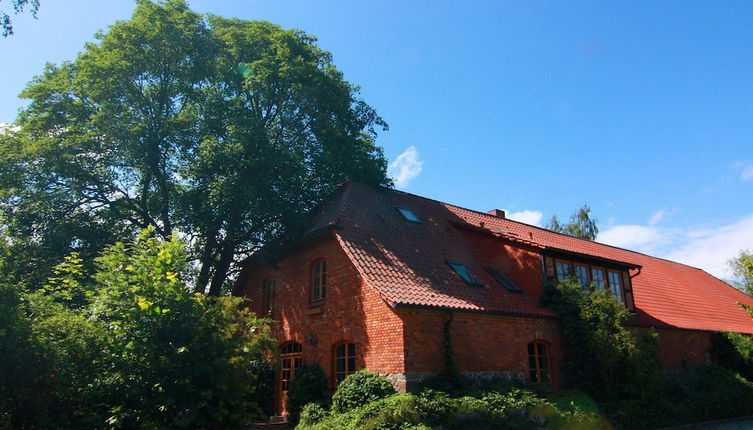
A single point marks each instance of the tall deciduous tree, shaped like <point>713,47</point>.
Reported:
<point>18,7</point>
<point>581,224</point>
<point>742,270</point>
<point>226,131</point>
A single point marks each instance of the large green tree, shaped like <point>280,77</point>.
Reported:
<point>742,270</point>
<point>581,224</point>
<point>18,7</point>
<point>227,131</point>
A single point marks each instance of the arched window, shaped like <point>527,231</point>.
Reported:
<point>344,361</point>
<point>319,281</point>
<point>269,295</point>
<point>538,362</point>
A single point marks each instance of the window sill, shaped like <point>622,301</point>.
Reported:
<point>315,308</point>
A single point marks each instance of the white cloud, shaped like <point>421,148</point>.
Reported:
<point>657,217</point>
<point>747,173</point>
<point>708,247</point>
<point>5,128</point>
<point>406,166</point>
<point>711,248</point>
<point>527,216</point>
<point>638,237</point>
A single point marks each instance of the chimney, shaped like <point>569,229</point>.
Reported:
<point>499,213</point>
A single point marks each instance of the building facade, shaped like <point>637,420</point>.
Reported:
<point>384,279</point>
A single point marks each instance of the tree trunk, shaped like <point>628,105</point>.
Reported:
<point>221,269</point>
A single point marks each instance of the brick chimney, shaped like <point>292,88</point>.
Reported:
<point>499,213</point>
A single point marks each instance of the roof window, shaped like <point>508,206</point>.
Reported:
<point>503,280</point>
<point>464,273</point>
<point>408,214</point>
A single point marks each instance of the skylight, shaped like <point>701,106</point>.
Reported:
<point>465,274</point>
<point>408,214</point>
<point>503,280</point>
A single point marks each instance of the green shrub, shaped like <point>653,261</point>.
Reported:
<point>309,385</point>
<point>733,351</point>
<point>312,414</point>
<point>436,406</point>
<point>359,389</point>
<point>611,362</point>
<point>692,396</point>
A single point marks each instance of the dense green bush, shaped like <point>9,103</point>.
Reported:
<point>129,348</point>
<point>309,385</point>
<point>620,368</point>
<point>611,363</point>
<point>312,414</point>
<point>733,351</point>
<point>691,396</point>
<point>360,388</point>
<point>515,408</point>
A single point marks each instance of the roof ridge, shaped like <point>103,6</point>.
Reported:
<point>554,232</point>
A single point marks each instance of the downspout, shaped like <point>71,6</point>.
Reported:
<point>449,355</point>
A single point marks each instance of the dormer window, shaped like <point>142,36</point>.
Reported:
<point>614,280</point>
<point>503,280</point>
<point>615,284</point>
<point>408,214</point>
<point>465,274</point>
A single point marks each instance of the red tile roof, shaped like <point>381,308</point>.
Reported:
<point>406,262</point>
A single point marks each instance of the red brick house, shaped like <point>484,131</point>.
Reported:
<point>382,275</point>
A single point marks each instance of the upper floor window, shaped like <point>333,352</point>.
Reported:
<point>269,295</point>
<point>615,284</point>
<point>319,281</point>
<point>408,214</point>
<point>610,280</point>
<point>599,278</point>
<point>538,362</point>
<point>464,273</point>
<point>503,280</point>
<point>344,361</point>
<point>562,268</point>
<point>582,274</point>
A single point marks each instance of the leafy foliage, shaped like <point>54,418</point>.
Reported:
<point>581,224</point>
<point>227,131</point>
<point>312,414</point>
<point>309,385</point>
<point>515,408</point>
<point>130,347</point>
<point>18,7</point>
<point>733,351</point>
<point>742,270</point>
<point>610,362</point>
<point>358,389</point>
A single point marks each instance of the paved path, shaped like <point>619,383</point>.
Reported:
<point>741,424</point>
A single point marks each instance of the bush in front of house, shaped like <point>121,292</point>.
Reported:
<point>510,408</point>
<point>309,386</point>
<point>733,351</point>
<point>360,388</point>
<point>312,414</point>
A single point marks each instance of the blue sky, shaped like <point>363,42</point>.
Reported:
<point>640,109</point>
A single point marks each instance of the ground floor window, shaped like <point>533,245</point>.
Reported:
<point>538,362</point>
<point>291,357</point>
<point>344,361</point>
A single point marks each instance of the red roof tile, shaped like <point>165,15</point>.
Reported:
<point>406,262</point>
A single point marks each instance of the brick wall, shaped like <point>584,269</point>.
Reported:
<point>351,312</point>
<point>680,348</point>
<point>481,343</point>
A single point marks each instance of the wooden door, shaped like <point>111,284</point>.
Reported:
<point>291,357</point>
